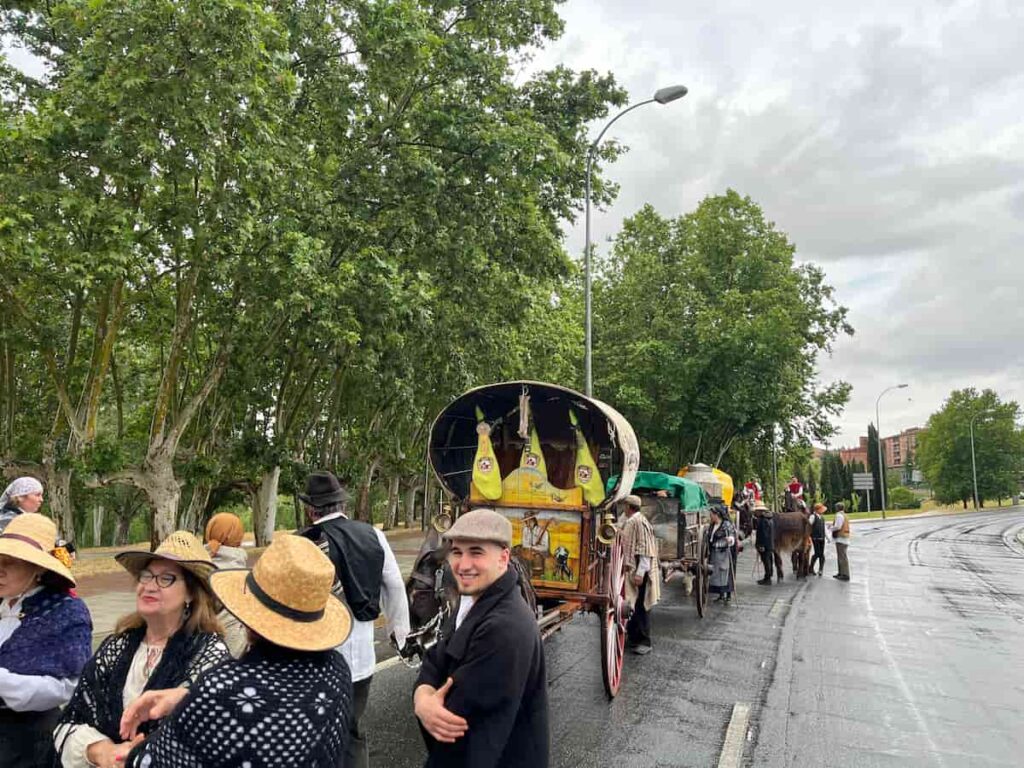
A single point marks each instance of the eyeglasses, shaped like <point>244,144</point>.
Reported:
<point>163,580</point>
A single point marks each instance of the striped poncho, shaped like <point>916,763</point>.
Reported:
<point>638,541</point>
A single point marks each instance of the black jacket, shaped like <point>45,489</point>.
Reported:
<point>497,662</point>
<point>358,559</point>
<point>765,533</point>
<point>818,529</point>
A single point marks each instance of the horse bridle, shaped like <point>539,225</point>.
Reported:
<point>415,646</point>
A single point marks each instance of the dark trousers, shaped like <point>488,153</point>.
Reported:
<point>357,753</point>
<point>26,738</point>
<point>768,561</point>
<point>638,628</point>
<point>819,554</point>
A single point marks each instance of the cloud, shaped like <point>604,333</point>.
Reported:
<point>884,137</point>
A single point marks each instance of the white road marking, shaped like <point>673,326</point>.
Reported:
<point>381,666</point>
<point>891,661</point>
<point>732,749</point>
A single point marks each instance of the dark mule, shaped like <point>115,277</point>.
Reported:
<point>793,535</point>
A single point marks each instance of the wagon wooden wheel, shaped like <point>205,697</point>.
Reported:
<point>613,621</point>
<point>702,580</point>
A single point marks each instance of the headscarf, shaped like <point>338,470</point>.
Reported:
<point>23,486</point>
<point>224,529</point>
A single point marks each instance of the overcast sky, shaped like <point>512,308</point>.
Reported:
<point>886,138</point>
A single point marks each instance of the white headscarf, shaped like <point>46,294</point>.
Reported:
<point>23,486</point>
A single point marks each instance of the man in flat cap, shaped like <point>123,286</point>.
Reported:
<point>643,574</point>
<point>481,695</point>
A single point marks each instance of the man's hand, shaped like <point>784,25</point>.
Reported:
<point>428,704</point>
<point>107,754</point>
<point>638,580</point>
<point>152,705</point>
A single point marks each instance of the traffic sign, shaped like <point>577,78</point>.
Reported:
<point>863,481</point>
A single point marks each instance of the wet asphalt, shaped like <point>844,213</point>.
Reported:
<point>919,660</point>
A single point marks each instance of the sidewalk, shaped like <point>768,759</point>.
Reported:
<point>112,595</point>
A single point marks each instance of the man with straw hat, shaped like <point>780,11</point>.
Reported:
<point>287,701</point>
<point>481,696</point>
<point>45,640</point>
<point>817,521</point>
<point>368,580</point>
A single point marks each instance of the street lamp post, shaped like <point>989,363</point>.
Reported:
<point>974,463</point>
<point>661,96</point>
<point>881,462</point>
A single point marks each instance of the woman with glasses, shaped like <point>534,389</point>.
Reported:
<point>172,637</point>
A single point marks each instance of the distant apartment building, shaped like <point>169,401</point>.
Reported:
<point>897,448</point>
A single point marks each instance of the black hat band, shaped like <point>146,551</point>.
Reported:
<point>278,607</point>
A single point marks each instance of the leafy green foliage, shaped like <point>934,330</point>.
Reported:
<point>944,449</point>
<point>708,332</point>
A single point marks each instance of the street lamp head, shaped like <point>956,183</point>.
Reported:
<point>902,386</point>
<point>670,93</point>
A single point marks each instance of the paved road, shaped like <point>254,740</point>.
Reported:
<point>918,661</point>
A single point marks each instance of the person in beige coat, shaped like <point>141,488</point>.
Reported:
<point>643,574</point>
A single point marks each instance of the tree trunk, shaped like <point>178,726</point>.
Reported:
<point>97,526</point>
<point>264,507</point>
<point>363,500</point>
<point>300,521</point>
<point>394,496</point>
<point>122,528</point>
<point>58,495</point>
<point>192,519</point>
<point>164,493</point>
<point>410,504</point>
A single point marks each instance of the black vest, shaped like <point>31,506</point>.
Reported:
<point>358,561</point>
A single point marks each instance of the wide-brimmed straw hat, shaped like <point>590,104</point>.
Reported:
<point>760,506</point>
<point>182,548</point>
<point>286,597</point>
<point>32,537</point>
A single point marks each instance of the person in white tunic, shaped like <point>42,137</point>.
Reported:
<point>368,581</point>
<point>45,640</point>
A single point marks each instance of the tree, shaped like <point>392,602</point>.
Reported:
<point>873,467</point>
<point>944,449</point>
<point>288,233</point>
<point>707,333</point>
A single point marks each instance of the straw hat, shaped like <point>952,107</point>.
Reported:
<point>181,547</point>
<point>286,598</point>
<point>32,537</point>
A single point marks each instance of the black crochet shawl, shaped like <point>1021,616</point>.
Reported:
<point>272,707</point>
<point>98,699</point>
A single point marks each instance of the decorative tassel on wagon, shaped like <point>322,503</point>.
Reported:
<point>486,475</point>
<point>586,475</point>
<point>533,456</point>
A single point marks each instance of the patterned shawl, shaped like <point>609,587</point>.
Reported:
<point>272,707</point>
<point>54,638</point>
<point>638,540</point>
<point>98,699</point>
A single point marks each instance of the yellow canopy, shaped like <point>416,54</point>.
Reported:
<point>724,479</point>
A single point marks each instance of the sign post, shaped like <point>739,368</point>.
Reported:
<point>865,481</point>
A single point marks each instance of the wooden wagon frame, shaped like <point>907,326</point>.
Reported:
<point>585,571</point>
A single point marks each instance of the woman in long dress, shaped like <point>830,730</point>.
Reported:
<point>721,540</point>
